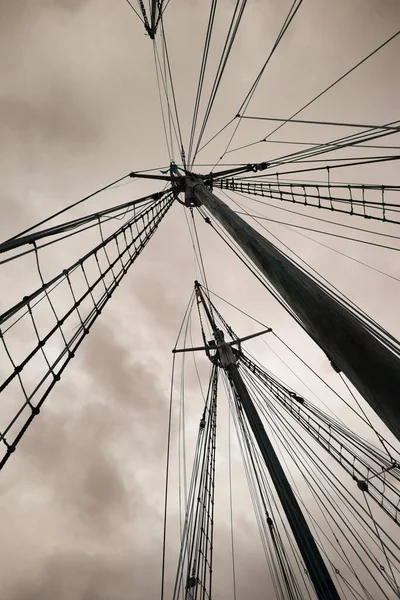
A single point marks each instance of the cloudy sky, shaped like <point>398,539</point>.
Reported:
<point>82,498</point>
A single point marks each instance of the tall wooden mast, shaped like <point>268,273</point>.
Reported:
<point>351,345</point>
<point>314,563</point>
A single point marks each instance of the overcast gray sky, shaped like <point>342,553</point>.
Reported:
<point>81,501</point>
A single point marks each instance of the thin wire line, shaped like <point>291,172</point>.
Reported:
<point>200,253</point>
<point>231,507</point>
<point>135,11</point>
<point>325,90</point>
<point>63,210</point>
<point>230,38</point>
<point>203,67</point>
<point>330,123</point>
<point>243,107</point>
<point>164,543</point>
<point>169,150</point>
<point>367,419</point>
<point>164,40</point>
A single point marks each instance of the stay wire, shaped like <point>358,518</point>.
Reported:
<point>320,144</point>
<point>213,138</point>
<point>317,497</point>
<point>229,40</point>
<point>63,210</point>
<point>195,361</point>
<point>389,564</point>
<point>165,7</point>
<point>171,123</point>
<point>231,506</point>
<point>164,41</point>
<point>296,375</point>
<point>169,149</point>
<point>290,369</point>
<point>250,475</point>
<point>239,310</point>
<point>197,267</point>
<point>243,107</point>
<point>297,457</point>
<point>260,387</point>
<point>329,123</point>
<point>350,141</point>
<point>327,166</point>
<point>135,11</point>
<point>182,426</point>
<point>321,466</point>
<point>317,526</point>
<point>294,485</point>
<point>327,88</point>
<point>171,120</point>
<point>358,457</point>
<point>199,251</point>
<point>367,419</point>
<point>164,542</point>
<point>200,82</point>
<point>185,317</point>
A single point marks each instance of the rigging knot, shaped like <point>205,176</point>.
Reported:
<point>362,484</point>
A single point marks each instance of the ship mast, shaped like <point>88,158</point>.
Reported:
<point>367,360</point>
<point>227,360</point>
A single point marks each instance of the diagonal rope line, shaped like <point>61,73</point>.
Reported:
<point>203,66</point>
<point>168,63</point>
<point>230,38</point>
<point>321,93</point>
<point>243,107</point>
<point>135,11</point>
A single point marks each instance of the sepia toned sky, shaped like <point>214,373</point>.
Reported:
<point>82,499</point>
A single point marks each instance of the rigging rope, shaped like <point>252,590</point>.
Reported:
<point>229,40</point>
<point>357,457</point>
<point>355,203</point>
<point>73,205</point>
<point>200,83</point>
<point>88,284</point>
<point>167,467</point>
<point>194,573</point>
<point>243,107</point>
<point>318,460</point>
<point>323,91</point>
